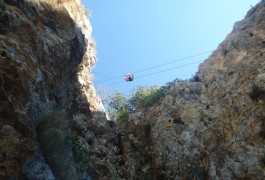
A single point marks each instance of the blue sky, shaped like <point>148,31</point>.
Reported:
<point>139,34</point>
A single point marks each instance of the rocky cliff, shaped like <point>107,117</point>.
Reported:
<point>46,94</point>
<point>212,129</point>
<point>53,125</point>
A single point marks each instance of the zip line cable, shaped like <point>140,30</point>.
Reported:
<point>121,76</point>
<point>159,72</point>
<point>167,69</point>
<point>173,61</point>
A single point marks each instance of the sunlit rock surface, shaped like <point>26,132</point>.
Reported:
<point>53,125</point>
<point>210,129</point>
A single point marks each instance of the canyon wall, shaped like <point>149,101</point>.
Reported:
<point>46,57</point>
<point>214,128</point>
<point>53,125</point>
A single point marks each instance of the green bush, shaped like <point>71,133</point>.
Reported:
<point>120,105</point>
<point>54,138</point>
<point>80,155</point>
<point>145,97</point>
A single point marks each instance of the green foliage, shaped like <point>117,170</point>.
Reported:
<point>120,105</point>
<point>257,93</point>
<point>145,97</point>
<point>55,140</point>
<point>80,155</point>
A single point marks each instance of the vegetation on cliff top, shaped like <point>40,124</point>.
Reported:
<point>142,97</point>
<point>120,105</point>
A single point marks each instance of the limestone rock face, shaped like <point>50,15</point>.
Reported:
<point>213,129</point>
<point>46,57</point>
<point>53,125</point>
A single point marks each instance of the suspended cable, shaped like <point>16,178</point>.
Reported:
<point>159,71</point>
<point>121,76</point>
<point>167,69</point>
<point>173,61</point>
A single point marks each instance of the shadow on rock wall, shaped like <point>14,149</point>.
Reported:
<point>42,53</point>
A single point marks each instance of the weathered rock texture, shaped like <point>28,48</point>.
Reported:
<point>213,129</point>
<point>53,126</point>
<point>46,94</point>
